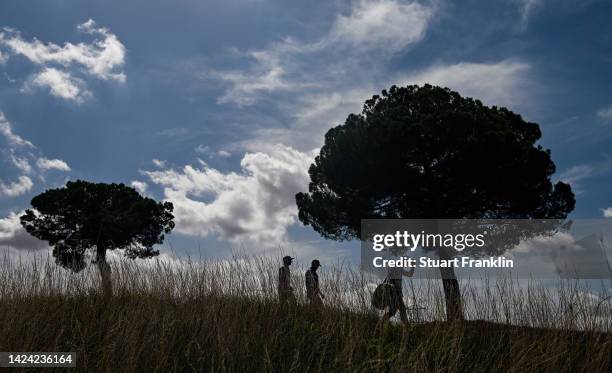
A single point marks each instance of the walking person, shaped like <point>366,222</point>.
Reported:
<point>285,291</point>
<point>396,300</point>
<point>313,291</point>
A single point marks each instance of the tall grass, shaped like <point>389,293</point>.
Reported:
<point>183,315</point>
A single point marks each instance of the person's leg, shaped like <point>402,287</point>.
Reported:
<point>286,297</point>
<point>403,313</point>
<point>399,300</point>
<point>392,309</point>
<point>282,296</point>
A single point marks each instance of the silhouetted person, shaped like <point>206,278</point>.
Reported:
<point>396,301</point>
<point>285,291</point>
<point>313,292</point>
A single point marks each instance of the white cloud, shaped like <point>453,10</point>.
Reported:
<point>371,28</point>
<point>312,115</point>
<point>497,83</point>
<point>386,25</point>
<point>202,149</point>
<point>323,81</point>
<point>103,58</point>
<point>577,174</point>
<point>526,8</point>
<point>21,163</point>
<point>501,83</point>
<point>16,188</point>
<point>607,212</point>
<point>159,163</point>
<point>23,154</point>
<point>210,153</point>
<point>140,186</point>
<point>13,235</point>
<point>605,113</point>
<point>60,84</point>
<point>254,206</point>
<point>572,254</point>
<point>12,138</point>
<point>266,76</point>
<point>49,164</point>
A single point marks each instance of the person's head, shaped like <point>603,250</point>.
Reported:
<point>315,264</point>
<point>287,260</point>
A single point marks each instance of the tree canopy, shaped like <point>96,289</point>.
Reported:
<point>427,152</point>
<point>97,216</point>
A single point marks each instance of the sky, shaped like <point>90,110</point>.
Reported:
<point>221,106</point>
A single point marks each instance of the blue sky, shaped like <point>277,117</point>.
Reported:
<point>220,106</point>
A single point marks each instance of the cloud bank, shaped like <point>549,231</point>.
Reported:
<point>255,205</point>
<point>63,68</point>
<point>317,84</point>
<point>13,235</point>
<point>371,28</point>
<point>22,154</point>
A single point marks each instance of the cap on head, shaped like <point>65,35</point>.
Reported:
<point>287,260</point>
<point>316,263</point>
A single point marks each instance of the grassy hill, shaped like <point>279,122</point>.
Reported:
<point>179,319</point>
<point>130,333</point>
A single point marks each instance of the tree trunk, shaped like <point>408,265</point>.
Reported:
<point>105,272</point>
<point>452,292</point>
